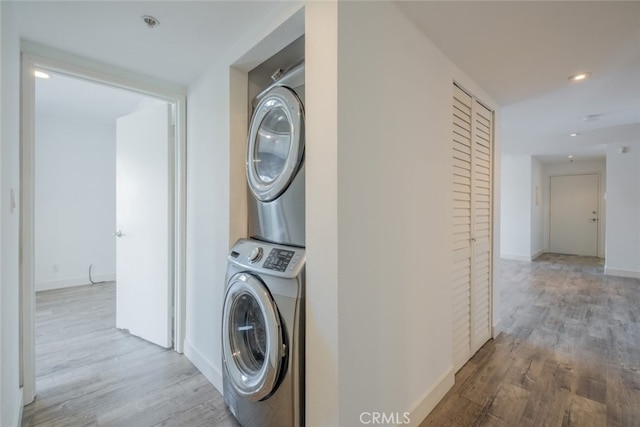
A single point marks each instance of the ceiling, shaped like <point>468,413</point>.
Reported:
<point>520,52</point>
<point>190,36</point>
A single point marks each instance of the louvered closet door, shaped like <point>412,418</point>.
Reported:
<point>472,143</point>
<point>481,227</point>
<point>462,170</point>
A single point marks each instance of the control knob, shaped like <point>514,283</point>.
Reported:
<point>255,254</point>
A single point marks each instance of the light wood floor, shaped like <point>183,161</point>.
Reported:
<point>91,374</point>
<point>568,353</point>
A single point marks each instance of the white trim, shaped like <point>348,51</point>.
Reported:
<point>495,329</point>
<point>72,281</point>
<point>64,63</point>
<point>17,417</point>
<point>515,257</point>
<point>526,258</point>
<point>27,246</point>
<point>537,254</point>
<point>432,397</point>
<point>621,273</point>
<point>204,365</point>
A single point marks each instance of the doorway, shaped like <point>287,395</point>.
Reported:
<point>174,193</point>
<point>574,214</point>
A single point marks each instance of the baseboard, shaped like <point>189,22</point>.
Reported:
<point>432,397</point>
<point>622,273</point>
<point>74,281</point>
<point>17,413</point>
<point>526,258</point>
<point>536,255</point>
<point>515,257</point>
<point>495,329</point>
<point>204,365</point>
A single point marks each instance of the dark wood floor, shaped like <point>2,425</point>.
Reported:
<point>91,374</point>
<point>568,352</point>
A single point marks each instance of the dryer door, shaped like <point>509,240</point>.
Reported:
<point>252,340</point>
<point>276,143</point>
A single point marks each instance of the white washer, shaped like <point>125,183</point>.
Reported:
<point>263,334</point>
<point>275,162</point>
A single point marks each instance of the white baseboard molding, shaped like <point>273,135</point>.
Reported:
<point>17,414</point>
<point>622,273</point>
<point>495,329</point>
<point>432,397</point>
<point>515,257</point>
<point>537,254</point>
<point>74,281</point>
<point>526,258</point>
<point>204,365</point>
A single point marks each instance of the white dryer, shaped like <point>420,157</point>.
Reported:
<point>263,334</point>
<point>275,162</point>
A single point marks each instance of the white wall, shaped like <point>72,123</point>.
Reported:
<point>516,208</point>
<point>322,182</point>
<point>11,397</point>
<point>393,213</point>
<point>537,208</point>
<point>74,200</point>
<point>208,194</point>
<point>394,225</point>
<point>522,208</point>
<point>623,210</point>
<point>572,168</point>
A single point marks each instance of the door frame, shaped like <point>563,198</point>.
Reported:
<point>93,72</point>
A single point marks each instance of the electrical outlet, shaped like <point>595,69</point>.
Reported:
<point>56,268</point>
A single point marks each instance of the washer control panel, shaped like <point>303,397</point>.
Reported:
<point>278,259</point>
<point>282,261</point>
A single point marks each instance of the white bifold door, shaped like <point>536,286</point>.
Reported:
<point>144,286</point>
<point>472,225</point>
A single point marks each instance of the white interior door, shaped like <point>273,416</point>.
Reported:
<point>573,216</point>
<point>143,205</point>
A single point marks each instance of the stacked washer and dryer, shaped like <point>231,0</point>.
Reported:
<point>263,314</point>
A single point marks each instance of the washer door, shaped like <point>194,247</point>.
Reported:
<point>252,343</point>
<point>276,143</point>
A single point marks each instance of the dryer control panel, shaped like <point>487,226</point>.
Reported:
<point>268,258</point>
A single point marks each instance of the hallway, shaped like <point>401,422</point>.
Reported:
<point>567,351</point>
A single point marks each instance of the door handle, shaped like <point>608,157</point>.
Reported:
<point>118,233</point>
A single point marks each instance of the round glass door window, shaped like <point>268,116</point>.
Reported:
<point>273,143</point>
<point>251,337</point>
<point>276,143</point>
<point>248,334</point>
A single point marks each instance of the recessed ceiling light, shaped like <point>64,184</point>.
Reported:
<point>150,21</point>
<point>41,74</point>
<point>579,77</point>
<point>574,134</point>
